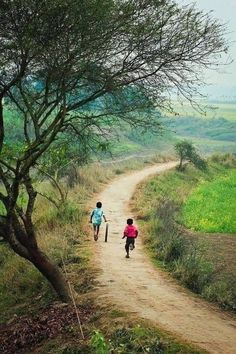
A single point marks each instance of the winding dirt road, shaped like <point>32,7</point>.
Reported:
<point>135,285</point>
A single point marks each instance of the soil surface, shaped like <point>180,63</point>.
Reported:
<point>136,286</point>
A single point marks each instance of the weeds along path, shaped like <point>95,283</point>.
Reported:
<point>135,285</point>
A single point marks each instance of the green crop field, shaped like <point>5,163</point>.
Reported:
<point>212,206</point>
<point>224,110</point>
<point>209,146</point>
<point>212,110</point>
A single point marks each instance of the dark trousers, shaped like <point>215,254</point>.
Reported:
<point>129,240</point>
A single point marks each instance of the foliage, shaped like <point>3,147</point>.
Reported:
<point>187,152</point>
<point>98,343</point>
<point>61,155</point>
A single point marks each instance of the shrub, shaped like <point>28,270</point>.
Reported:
<point>222,291</point>
<point>98,343</point>
<point>171,247</point>
<point>194,270</point>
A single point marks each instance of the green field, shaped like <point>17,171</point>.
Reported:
<point>223,110</point>
<point>213,132</point>
<point>210,146</point>
<point>212,206</point>
<point>209,110</point>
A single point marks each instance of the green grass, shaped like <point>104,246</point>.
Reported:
<point>143,339</point>
<point>124,148</point>
<point>212,206</point>
<point>214,110</point>
<point>203,262</point>
<point>225,110</point>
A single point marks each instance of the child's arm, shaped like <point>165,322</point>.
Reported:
<point>125,233</point>
<point>104,218</point>
<point>136,233</point>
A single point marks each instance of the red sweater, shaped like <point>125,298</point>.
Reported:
<point>130,231</point>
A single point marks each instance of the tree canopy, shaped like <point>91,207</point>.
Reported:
<point>83,66</point>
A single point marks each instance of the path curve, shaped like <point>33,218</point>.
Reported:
<point>135,285</point>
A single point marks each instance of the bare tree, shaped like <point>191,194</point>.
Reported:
<point>87,66</point>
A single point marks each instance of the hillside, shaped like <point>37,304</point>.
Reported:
<point>212,132</point>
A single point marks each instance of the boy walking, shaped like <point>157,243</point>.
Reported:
<point>131,233</point>
<point>96,219</point>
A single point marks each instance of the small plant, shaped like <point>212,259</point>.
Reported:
<point>98,343</point>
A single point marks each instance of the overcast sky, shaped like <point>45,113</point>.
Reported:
<point>224,82</point>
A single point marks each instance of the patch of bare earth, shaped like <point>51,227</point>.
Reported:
<point>221,248</point>
<point>135,285</point>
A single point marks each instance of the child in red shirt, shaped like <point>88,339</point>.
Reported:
<point>131,233</point>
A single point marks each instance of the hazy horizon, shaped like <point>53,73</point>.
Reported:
<point>223,81</point>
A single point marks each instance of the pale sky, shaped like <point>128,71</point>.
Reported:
<point>224,82</point>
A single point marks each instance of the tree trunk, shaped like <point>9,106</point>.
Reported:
<point>52,273</point>
<point>181,163</point>
<point>22,239</point>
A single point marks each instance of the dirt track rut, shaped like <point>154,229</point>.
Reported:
<point>135,285</point>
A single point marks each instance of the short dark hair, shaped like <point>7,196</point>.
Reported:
<point>130,221</point>
<point>99,205</point>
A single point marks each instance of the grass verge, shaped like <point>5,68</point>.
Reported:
<point>203,262</point>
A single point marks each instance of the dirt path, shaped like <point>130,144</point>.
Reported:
<point>136,286</point>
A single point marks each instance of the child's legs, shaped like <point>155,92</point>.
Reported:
<point>131,244</point>
<point>97,228</point>
<point>129,240</point>
<point>127,246</point>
